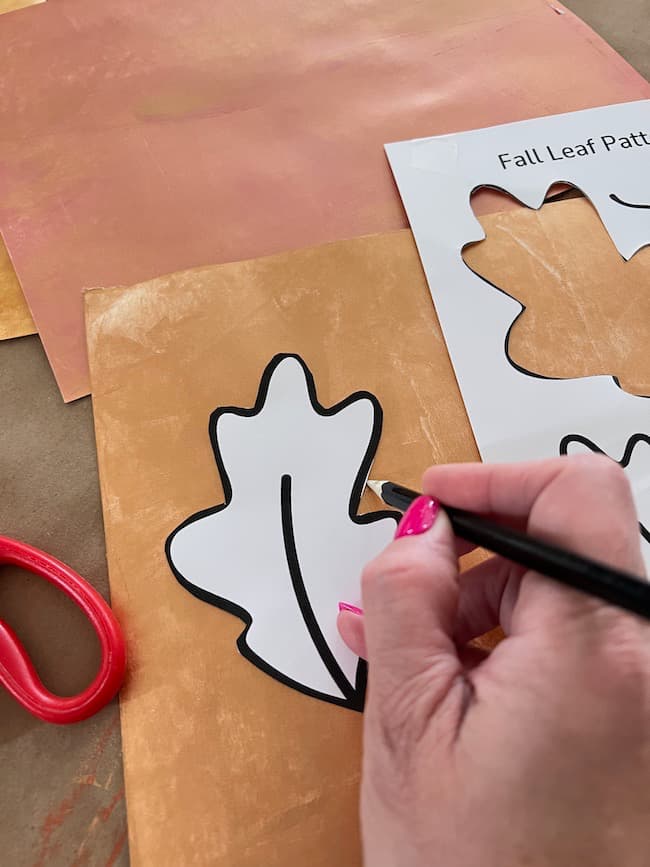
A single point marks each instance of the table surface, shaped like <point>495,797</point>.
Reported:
<point>62,795</point>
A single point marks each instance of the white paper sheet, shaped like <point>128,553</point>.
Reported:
<point>287,545</point>
<point>605,152</point>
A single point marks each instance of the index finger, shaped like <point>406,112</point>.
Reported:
<point>498,489</point>
<point>583,502</point>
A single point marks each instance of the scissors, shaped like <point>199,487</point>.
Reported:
<point>17,672</point>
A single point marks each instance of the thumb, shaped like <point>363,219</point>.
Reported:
<point>410,599</point>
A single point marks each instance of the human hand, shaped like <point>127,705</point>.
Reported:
<point>539,753</point>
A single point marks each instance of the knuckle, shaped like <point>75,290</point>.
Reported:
<point>614,476</point>
<point>601,477</point>
<point>602,470</point>
<point>587,461</point>
<point>428,475</point>
<point>443,555</point>
<point>368,574</point>
<point>371,575</point>
<point>391,570</point>
<point>625,653</point>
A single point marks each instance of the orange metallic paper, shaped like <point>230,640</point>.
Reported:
<point>224,766</point>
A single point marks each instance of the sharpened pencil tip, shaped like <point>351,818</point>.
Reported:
<point>375,486</point>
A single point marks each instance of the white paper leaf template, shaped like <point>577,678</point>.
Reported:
<point>635,460</point>
<point>288,545</point>
<point>605,152</point>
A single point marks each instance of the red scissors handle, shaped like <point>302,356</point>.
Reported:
<point>17,672</point>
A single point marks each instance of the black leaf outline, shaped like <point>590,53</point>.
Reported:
<point>623,462</point>
<point>354,697</point>
<point>506,344</point>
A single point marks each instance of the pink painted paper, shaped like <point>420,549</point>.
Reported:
<point>143,137</point>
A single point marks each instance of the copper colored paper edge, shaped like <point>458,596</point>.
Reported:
<point>14,5</point>
<point>15,318</point>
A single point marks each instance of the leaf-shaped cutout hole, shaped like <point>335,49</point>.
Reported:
<point>587,311</point>
<point>489,200</point>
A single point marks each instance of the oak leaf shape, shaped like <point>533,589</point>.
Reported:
<point>287,545</point>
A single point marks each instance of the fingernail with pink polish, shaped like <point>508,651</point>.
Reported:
<point>345,606</point>
<point>419,517</point>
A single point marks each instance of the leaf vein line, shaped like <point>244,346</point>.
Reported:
<point>297,581</point>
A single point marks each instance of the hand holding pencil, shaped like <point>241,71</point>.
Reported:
<point>540,750</point>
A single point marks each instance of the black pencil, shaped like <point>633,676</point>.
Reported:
<point>619,588</point>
